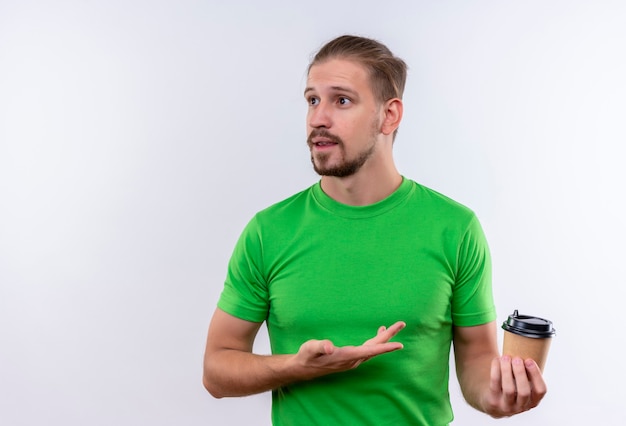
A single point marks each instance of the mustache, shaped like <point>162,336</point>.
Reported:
<point>323,133</point>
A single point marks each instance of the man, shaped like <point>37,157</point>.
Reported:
<point>364,279</point>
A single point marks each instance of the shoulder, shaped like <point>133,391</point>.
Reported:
<point>295,201</point>
<point>285,211</point>
<point>436,202</point>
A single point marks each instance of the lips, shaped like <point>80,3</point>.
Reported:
<point>324,143</point>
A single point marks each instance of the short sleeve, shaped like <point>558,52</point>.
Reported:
<point>472,300</point>
<point>245,293</point>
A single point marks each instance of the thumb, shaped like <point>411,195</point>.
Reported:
<point>315,348</point>
<point>327,347</point>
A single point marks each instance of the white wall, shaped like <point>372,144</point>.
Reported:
<point>138,137</point>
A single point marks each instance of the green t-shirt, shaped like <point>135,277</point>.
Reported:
<point>313,268</point>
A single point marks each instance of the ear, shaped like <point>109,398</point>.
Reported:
<point>392,110</point>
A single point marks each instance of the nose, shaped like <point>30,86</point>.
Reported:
<point>319,116</point>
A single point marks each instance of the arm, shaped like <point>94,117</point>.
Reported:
<point>231,369</point>
<point>498,386</point>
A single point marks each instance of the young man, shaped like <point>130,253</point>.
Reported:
<point>364,279</point>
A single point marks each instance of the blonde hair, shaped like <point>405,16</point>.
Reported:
<point>387,72</point>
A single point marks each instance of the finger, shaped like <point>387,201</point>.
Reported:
<point>385,334</point>
<point>327,347</point>
<point>508,381</point>
<point>522,385</point>
<point>365,352</point>
<point>537,384</point>
<point>495,384</point>
<point>315,348</point>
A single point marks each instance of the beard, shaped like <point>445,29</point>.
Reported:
<point>346,166</point>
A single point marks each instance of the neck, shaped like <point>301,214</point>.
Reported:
<point>364,187</point>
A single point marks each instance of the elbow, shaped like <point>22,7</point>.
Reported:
<point>210,382</point>
<point>213,378</point>
<point>213,390</point>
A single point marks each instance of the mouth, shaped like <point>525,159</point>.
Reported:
<point>323,143</point>
<point>322,140</point>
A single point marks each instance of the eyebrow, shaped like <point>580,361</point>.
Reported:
<point>335,89</point>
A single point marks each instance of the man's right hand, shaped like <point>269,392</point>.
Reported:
<point>317,358</point>
<point>231,369</point>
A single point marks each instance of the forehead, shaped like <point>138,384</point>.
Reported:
<point>338,72</point>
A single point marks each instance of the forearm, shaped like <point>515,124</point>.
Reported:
<point>475,348</point>
<point>474,379</point>
<point>230,372</point>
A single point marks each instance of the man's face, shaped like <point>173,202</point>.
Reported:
<point>343,119</point>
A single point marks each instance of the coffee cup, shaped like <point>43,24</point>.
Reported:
<point>528,336</point>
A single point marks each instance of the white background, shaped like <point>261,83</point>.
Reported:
<point>138,137</point>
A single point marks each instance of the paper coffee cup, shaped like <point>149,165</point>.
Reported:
<point>528,336</point>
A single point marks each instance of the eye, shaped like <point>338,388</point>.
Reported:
<point>313,100</point>
<point>344,101</point>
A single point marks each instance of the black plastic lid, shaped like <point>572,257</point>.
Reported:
<point>529,326</point>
